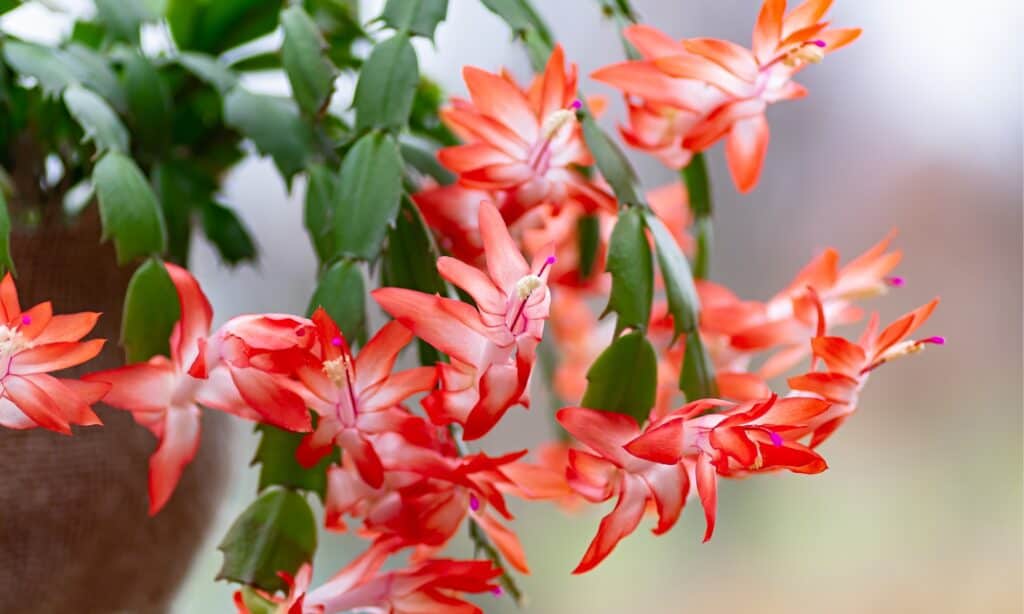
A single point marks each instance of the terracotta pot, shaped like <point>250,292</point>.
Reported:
<point>75,535</point>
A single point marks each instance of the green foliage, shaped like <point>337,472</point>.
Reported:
<point>43,63</point>
<point>209,69</point>
<point>6,264</point>
<point>612,163</point>
<point>276,533</point>
<point>321,194</point>
<point>697,379</point>
<point>214,26</point>
<point>387,85</point>
<point>149,101</point>
<point>150,312</point>
<point>309,71</point>
<point>675,271</point>
<point>698,188</point>
<point>418,17</point>
<point>124,18</point>
<point>632,269</point>
<point>129,210</point>
<point>523,19</point>
<point>99,122</point>
<point>278,467</point>
<point>624,377</point>
<point>93,70</point>
<point>273,124</point>
<point>341,291</point>
<point>227,233</point>
<point>368,198</point>
<point>588,233</point>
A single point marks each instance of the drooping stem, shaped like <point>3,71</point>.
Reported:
<point>698,186</point>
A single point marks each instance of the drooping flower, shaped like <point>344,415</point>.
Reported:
<point>822,295</point>
<point>492,346</point>
<point>162,396</point>
<point>674,115</point>
<point>34,343</point>
<point>523,143</point>
<point>848,366</point>
<point>164,393</point>
<point>358,397</point>
<point>293,602</point>
<point>426,495</point>
<point>610,471</point>
<point>753,437</point>
<point>431,586</point>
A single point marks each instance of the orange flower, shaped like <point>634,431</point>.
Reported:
<point>523,143</point>
<point>32,344</point>
<point>686,96</point>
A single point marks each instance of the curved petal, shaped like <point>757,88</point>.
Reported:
<point>768,29</point>
<point>9,298</point>
<point>377,358</point>
<point>475,282</point>
<point>805,15</point>
<point>707,489</point>
<point>399,387</point>
<point>34,320</point>
<point>33,401</point>
<point>277,405</point>
<point>71,327</point>
<point>497,98</point>
<point>499,390</point>
<point>670,485</point>
<point>730,56</point>
<point>549,91</point>
<point>464,158</point>
<point>144,386</point>
<point>652,42</point>
<point>461,338</point>
<point>196,313</point>
<point>605,432</point>
<point>660,444</point>
<point>54,356</point>
<point>622,521</point>
<point>177,448</point>
<point>505,540</point>
<point>745,149</point>
<point>364,456</point>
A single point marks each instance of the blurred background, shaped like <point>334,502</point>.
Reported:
<point>917,126</point>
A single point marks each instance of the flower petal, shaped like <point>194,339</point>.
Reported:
<point>54,356</point>
<point>144,386</point>
<point>178,447</point>
<point>745,149</point>
<point>622,521</point>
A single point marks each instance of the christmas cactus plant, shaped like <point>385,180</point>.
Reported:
<point>504,234</point>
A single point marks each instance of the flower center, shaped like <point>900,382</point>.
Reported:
<point>526,286</point>
<point>812,52</point>
<point>11,342</point>
<point>904,348</point>
<point>552,125</point>
<point>339,370</point>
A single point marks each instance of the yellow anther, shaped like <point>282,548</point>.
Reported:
<point>554,122</point>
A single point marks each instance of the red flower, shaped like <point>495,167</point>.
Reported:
<point>850,364</point>
<point>431,586</point>
<point>493,346</point>
<point>676,113</point>
<point>34,343</point>
<point>358,397</point>
<point>293,602</point>
<point>611,471</point>
<point>522,143</point>
<point>164,393</point>
<point>753,437</point>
